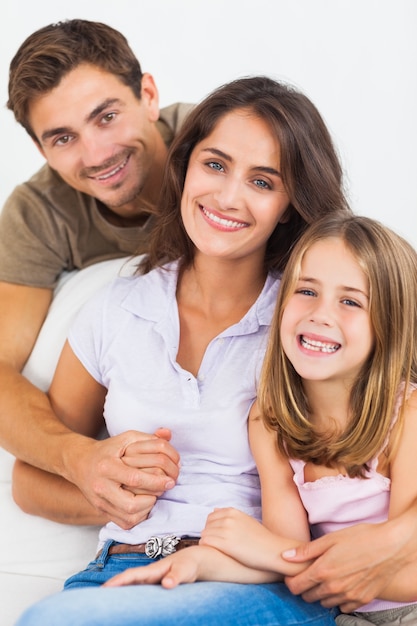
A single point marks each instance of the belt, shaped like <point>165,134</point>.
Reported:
<point>154,547</point>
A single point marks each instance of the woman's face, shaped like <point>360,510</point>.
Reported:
<point>233,193</point>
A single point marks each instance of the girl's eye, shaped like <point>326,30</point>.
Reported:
<point>306,292</point>
<point>350,302</point>
<point>262,184</point>
<point>214,165</point>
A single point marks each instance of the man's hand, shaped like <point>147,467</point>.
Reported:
<point>123,475</point>
<point>351,567</point>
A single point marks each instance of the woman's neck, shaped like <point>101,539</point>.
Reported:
<point>212,297</point>
<point>221,285</point>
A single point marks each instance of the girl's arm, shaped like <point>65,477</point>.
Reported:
<point>235,547</point>
<point>285,523</point>
<point>191,564</point>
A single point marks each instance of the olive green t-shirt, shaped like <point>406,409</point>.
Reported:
<point>47,227</point>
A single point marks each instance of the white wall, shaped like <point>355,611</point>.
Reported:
<point>356,59</point>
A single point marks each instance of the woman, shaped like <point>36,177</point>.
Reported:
<point>176,350</point>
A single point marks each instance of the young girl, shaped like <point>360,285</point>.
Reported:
<point>338,398</point>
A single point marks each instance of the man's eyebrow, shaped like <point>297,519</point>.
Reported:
<point>66,130</point>
<point>258,168</point>
<point>53,132</point>
<point>109,102</point>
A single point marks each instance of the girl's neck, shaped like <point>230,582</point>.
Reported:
<point>329,402</point>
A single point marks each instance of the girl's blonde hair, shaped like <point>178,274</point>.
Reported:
<point>390,265</point>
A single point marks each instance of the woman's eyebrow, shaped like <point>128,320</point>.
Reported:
<point>257,168</point>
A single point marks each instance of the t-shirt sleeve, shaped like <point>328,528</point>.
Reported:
<point>33,247</point>
<point>86,333</point>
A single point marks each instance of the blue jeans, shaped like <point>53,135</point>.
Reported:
<point>84,602</point>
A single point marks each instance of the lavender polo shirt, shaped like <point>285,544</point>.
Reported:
<point>127,338</point>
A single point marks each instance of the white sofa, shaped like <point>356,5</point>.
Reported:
<point>37,555</point>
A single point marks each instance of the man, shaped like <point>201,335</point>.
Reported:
<point>78,90</point>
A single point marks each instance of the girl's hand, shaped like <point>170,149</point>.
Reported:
<point>181,567</point>
<point>191,564</point>
<point>240,536</point>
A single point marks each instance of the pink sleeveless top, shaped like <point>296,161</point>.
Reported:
<point>334,502</point>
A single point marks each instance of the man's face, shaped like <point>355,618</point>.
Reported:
<point>100,138</point>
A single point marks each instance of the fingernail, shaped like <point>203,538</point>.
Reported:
<point>288,554</point>
<point>170,484</point>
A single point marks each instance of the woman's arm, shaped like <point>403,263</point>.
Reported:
<point>111,473</point>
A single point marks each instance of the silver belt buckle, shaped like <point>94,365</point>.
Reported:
<point>161,546</point>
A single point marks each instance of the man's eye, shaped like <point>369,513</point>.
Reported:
<point>109,117</point>
<point>61,141</point>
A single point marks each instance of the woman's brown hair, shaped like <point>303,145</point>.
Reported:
<point>310,168</point>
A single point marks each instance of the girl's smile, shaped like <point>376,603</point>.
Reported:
<point>326,328</point>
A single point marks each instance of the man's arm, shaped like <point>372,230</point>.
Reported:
<point>47,495</point>
<point>31,431</point>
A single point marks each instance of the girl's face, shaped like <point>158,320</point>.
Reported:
<point>233,193</point>
<point>326,329</point>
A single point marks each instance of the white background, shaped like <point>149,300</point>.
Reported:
<point>356,59</point>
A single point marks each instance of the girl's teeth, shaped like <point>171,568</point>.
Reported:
<point>319,346</point>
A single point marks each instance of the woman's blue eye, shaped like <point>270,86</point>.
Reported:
<point>215,166</point>
<point>262,184</point>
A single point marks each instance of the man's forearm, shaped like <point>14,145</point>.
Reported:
<point>47,495</point>
<point>29,429</point>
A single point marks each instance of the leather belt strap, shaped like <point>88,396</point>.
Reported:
<point>139,548</point>
<point>154,547</point>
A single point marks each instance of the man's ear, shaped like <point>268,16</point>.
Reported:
<point>150,96</point>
